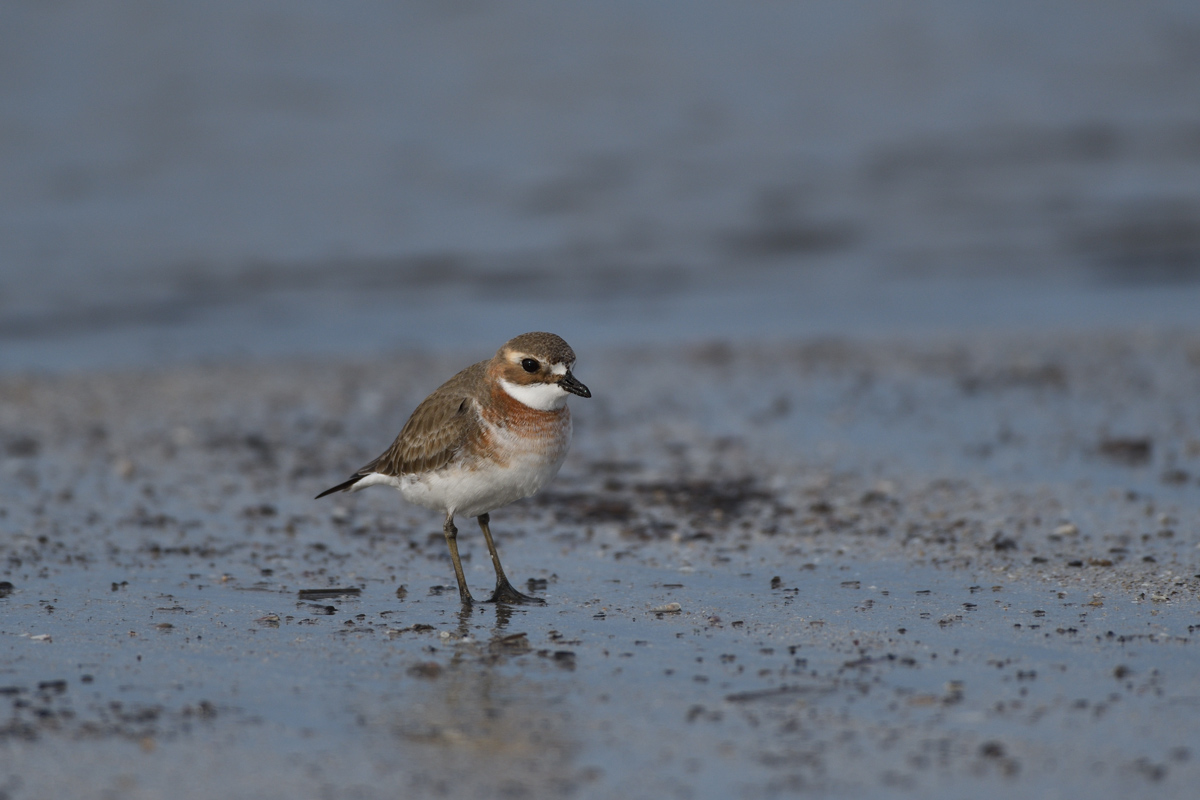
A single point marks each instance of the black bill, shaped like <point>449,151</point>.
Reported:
<point>570,383</point>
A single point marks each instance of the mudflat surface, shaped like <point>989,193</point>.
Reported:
<point>956,568</point>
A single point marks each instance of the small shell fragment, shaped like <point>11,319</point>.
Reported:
<point>668,608</point>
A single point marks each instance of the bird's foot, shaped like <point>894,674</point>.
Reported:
<point>505,593</point>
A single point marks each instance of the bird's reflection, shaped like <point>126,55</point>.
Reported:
<point>494,718</point>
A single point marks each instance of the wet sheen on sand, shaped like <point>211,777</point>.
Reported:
<point>740,601</point>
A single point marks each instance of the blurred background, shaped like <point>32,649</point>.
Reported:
<point>203,181</point>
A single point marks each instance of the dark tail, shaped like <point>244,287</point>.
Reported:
<point>341,487</point>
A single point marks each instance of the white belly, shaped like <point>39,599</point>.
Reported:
<point>480,486</point>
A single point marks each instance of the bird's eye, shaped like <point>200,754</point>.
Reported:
<point>529,364</point>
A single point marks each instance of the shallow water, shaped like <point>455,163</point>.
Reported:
<point>251,181</point>
<point>844,679</point>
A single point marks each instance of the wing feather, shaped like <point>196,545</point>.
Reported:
<point>437,429</point>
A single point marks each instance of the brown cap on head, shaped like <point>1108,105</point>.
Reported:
<point>546,346</point>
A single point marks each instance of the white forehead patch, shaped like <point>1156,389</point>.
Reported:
<point>558,369</point>
<point>541,396</point>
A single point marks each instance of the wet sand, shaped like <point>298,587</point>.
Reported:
<point>843,567</point>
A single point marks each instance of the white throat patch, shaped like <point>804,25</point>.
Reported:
<point>541,396</point>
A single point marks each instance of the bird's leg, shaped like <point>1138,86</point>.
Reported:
<point>451,532</point>
<point>505,593</point>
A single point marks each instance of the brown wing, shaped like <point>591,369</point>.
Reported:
<point>437,429</point>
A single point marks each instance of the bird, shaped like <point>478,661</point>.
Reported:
<point>495,433</point>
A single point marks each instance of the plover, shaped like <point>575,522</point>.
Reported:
<point>494,433</point>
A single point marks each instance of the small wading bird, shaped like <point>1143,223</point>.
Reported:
<point>494,433</point>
